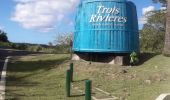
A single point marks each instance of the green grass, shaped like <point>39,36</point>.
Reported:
<point>37,77</point>
<point>42,77</point>
<point>5,44</point>
<point>133,84</point>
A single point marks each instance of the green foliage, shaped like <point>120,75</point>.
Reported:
<point>5,44</point>
<point>22,47</point>
<point>134,58</point>
<point>153,33</point>
<point>63,42</point>
<point>19,46</point>
<point>63,39</point>
<point>164,2</point>
<point>3,36</point>
<point>36,48</point>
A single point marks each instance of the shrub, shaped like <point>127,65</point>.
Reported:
<point>134,58</point>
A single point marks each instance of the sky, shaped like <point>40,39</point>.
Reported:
<point>39,21</point>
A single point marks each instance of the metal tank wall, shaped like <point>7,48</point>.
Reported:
<point>99,29</point>
<point>133,27</point>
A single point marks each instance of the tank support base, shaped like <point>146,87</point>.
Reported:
<point>117,59</point>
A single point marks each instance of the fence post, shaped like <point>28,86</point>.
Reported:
<point>68,83</point>
<point>71,69</point>
<point>88,90</point>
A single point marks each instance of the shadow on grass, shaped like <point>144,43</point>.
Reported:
<point>80,95</point>
<point>145,57</point>
<point>79,80</point>
<point>9,52</point>
<point>28,66</point>
<point>15,93</point>
<point>19,82</point>
<point>19,71</point>
<point>77,95</point>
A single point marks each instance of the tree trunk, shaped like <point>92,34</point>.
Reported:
<point>167,35</point>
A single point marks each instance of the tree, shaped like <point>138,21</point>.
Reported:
<point>163,2</point>
<point>3,36</point>
<point>50,44</point>
<point>166,3</point>
<point>167,35</point>
<point>153,32</point>
<point>160,1</point>
<point>63,39</point>
<point>63,42</point>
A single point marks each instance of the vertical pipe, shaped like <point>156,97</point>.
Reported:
<point>71,69</point>
<point>68,83</point>
<point>87,90</point>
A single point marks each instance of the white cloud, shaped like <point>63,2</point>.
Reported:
<point>145,13</point>
<point>1,27</point>
<point>147,9</point>
<point>42,15</point>
<point>142,20</point>
<point>163,8</point>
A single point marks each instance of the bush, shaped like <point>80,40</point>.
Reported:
<point>134,58</point>
<point>3,37</point>
<point>5,45</point>
<point>36,48</point>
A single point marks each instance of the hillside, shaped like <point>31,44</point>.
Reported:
<point>42,77</point>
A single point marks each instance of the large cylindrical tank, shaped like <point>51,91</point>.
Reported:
<point>107,26</point>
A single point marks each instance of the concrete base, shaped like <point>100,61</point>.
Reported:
<point>75,57</point>
<point>105,58</point>
<point>119,60</point>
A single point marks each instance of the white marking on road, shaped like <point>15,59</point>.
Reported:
<point>3,80</point>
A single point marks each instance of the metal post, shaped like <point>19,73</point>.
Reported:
<point>68,83</point>
<point>71,69</point>
<point>87,90</point>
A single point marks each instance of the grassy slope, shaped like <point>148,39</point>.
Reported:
<point>39,77</point>
<point>144,82</point>
<point>42,77</point>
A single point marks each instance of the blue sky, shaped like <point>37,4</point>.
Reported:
<point>20,28</point>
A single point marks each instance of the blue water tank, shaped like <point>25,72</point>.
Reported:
<point>106,26</point>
